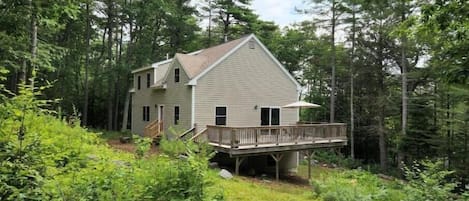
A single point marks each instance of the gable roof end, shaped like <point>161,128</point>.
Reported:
<point>239,45</point>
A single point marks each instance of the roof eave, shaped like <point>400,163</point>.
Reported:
<point>142,69</point>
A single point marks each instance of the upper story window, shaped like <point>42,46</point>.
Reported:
<point>148,80</point>
<point>176,75</point>
<point>220,116</point>
<point>139,85</point>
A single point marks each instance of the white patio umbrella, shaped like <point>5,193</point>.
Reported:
<point>301,104</point>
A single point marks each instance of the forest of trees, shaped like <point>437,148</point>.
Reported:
<point>399,79</point>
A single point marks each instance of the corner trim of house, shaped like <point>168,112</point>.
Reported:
<point>297,110</point>
<point>193,106</point>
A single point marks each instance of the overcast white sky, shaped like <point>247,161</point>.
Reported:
<point>282,12</point>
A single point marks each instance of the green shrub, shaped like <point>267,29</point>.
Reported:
<point>427,181</point>
<point>142,145</point>
<point>56,161</point>
<point>354,185</point>
<point>330,157</point>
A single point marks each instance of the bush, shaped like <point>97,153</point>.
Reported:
<point>427,181</point>
<point>354,185</point>
<point>56,161</point>
<point>330,157</point>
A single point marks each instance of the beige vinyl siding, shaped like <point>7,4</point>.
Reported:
<point>175,94</point>
<point>246,79</point>
<point>160,72</point>
<point>142,98</point>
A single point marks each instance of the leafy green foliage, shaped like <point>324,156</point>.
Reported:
<point>428,181</point>
<point>22,171</point>
<point>354,185</point>
<point>57,161</point>
<point>330,157</point>
<point>142,145</point>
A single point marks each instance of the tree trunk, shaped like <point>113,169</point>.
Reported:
<point>381,105</point>
<point>332,104</point>
<point>226,27</point>
<point>400,152</point>
<point>126,111</point>
<point>382,143</point>
<point>87,63</point>
<point>109,70</point>
<point>448,130</point>
<point>33,38</point>
<point>352,62</point>
<point>209,42</point>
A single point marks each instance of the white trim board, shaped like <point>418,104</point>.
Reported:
<point>156,64</point>
<point>193,107</point>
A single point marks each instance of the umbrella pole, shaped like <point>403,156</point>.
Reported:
<point>299,115</point>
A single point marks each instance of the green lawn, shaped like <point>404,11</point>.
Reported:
<point>250,189</point>
<point>243,188</point>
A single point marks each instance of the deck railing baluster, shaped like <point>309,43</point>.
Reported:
<point>233,138</point>
<point>257,136</point>
<point>220,134</point>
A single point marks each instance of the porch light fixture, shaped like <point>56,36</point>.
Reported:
<point>255,107</point>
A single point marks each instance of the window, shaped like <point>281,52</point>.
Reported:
<point>176,75</point>
<point>148,80</point>
<point>270,116</point>
<point>176,115</point>
<point>265,113</point>
<point>146,113</point>
<point>274,116</point>
<point>220,116</point>
<point>138,82</point>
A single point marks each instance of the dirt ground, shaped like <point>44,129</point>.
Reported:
<point>129,147</point>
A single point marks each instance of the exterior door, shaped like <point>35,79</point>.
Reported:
<point>160,113</point>
<point>270,116</point>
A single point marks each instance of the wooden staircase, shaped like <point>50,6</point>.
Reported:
<point>153,130</point>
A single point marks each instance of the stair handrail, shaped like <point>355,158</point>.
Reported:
<point>196,136</point>
<point>183,135</point>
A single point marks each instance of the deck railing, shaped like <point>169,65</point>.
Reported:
<point>153,129</point>
<point>235,137</point>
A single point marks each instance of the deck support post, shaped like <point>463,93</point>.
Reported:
<point>277,157</point>
<point>309,155</point>
<point>239,160</point>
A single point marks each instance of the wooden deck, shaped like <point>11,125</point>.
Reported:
<point>239,141</point>
<point>242,142</point>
